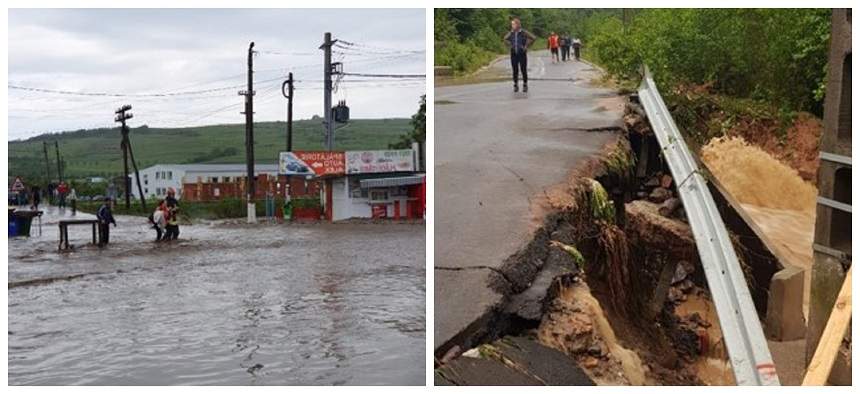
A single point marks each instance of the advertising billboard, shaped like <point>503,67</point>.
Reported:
<point>372,161</point>
<point>313,163</point>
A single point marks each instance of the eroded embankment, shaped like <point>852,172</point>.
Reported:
<point>612,278</point>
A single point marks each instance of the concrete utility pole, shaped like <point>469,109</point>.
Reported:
<point>289,96</point>
<point>59,163</point>
<point>328,70</point>
<point>249,135</point>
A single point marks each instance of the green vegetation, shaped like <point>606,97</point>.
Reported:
<point>602,208</point>
<point>97,152</point>
<point>221,209</point>
<point>774,55</point>
<point>419,128</point>
<point>573,252</point>
<point>777,56</point>
<point>466,39</point>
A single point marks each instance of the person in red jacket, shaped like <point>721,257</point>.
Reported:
<point>62,190</point>
<point>552,45</point>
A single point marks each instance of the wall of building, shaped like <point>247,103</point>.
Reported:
<point>350,202</point>
<point>156,180</point>
<point>831,255</point>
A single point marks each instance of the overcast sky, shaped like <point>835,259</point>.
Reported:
<point>153,51</point>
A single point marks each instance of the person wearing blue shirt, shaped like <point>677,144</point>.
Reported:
<point>519,40</point>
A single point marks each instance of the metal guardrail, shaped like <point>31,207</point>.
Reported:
<point>747,348</point>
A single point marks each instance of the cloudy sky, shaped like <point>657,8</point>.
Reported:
<point>202,55</point>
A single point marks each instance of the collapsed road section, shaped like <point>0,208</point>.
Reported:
<point>612,279</point>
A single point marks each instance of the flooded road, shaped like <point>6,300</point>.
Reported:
<point>229,305</point>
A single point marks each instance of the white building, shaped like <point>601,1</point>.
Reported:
<point>157,179</point>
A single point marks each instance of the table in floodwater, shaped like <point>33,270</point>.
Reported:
<point>64,230</point>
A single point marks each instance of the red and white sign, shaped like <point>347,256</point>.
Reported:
<point>379,211</point>
<point>316,163</point>
<point>372,161</point>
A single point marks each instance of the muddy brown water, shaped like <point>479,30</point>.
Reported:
<point>779,201</point>
<point>230,305</point>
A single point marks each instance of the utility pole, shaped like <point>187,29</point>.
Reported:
<point>59,163</point>
<point>289,96</point>
<point>47,162</point>
<point>121,117</point>
<point>328,70</point>
<point>249,135</point>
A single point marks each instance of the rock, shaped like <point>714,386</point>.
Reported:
<point>668,207</point>
<point>653,182</point>
<point>660,194</point>
<point>675,295</point>
<point>590,362</point>
<point>666,181</point>
<point>682,270</point>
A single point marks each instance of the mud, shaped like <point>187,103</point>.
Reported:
<point>229,305</point>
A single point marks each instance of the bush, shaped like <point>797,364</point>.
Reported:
<point>306,202</point>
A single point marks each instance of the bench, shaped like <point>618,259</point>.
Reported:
<point>64,230</point>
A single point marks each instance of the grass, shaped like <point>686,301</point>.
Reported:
<point>97,152</point>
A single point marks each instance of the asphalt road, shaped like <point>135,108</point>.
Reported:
<point>495,152</point>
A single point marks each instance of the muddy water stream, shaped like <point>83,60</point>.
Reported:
<point>229,305</point>
<point>779,201</point>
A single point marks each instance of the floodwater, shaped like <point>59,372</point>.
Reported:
<point>230,304</point>
<point>777,199</point>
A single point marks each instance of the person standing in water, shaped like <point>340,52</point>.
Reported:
<point>105,218</point>
<point>171,230</point>
<point>519,40</point>
<point>73,199</point>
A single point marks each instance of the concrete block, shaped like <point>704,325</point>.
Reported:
<point>784,320</point>
<point>828,274</point>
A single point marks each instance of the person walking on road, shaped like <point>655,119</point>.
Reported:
<point>552,45</point>
<point>73,200</point>
<point>565,43</point>
<point>105,218</point>
<point>519,40</point>
<point>577,45</point>
<point>171,216</point>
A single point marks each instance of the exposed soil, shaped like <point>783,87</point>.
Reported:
<point>790,138</point>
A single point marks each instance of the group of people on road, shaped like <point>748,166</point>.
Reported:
<point>165,219</point>
<point>64,195</point>
<point>519,40</point>
<point>563,43</point>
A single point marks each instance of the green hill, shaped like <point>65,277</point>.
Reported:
<point>97,152</point>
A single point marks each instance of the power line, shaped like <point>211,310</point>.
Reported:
<point>386,75</point>
<point>105,94</point>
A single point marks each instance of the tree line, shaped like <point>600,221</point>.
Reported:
<point>775,55</point>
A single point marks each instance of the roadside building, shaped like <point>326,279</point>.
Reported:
<point>363,184</point>
<point>207,182</point>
